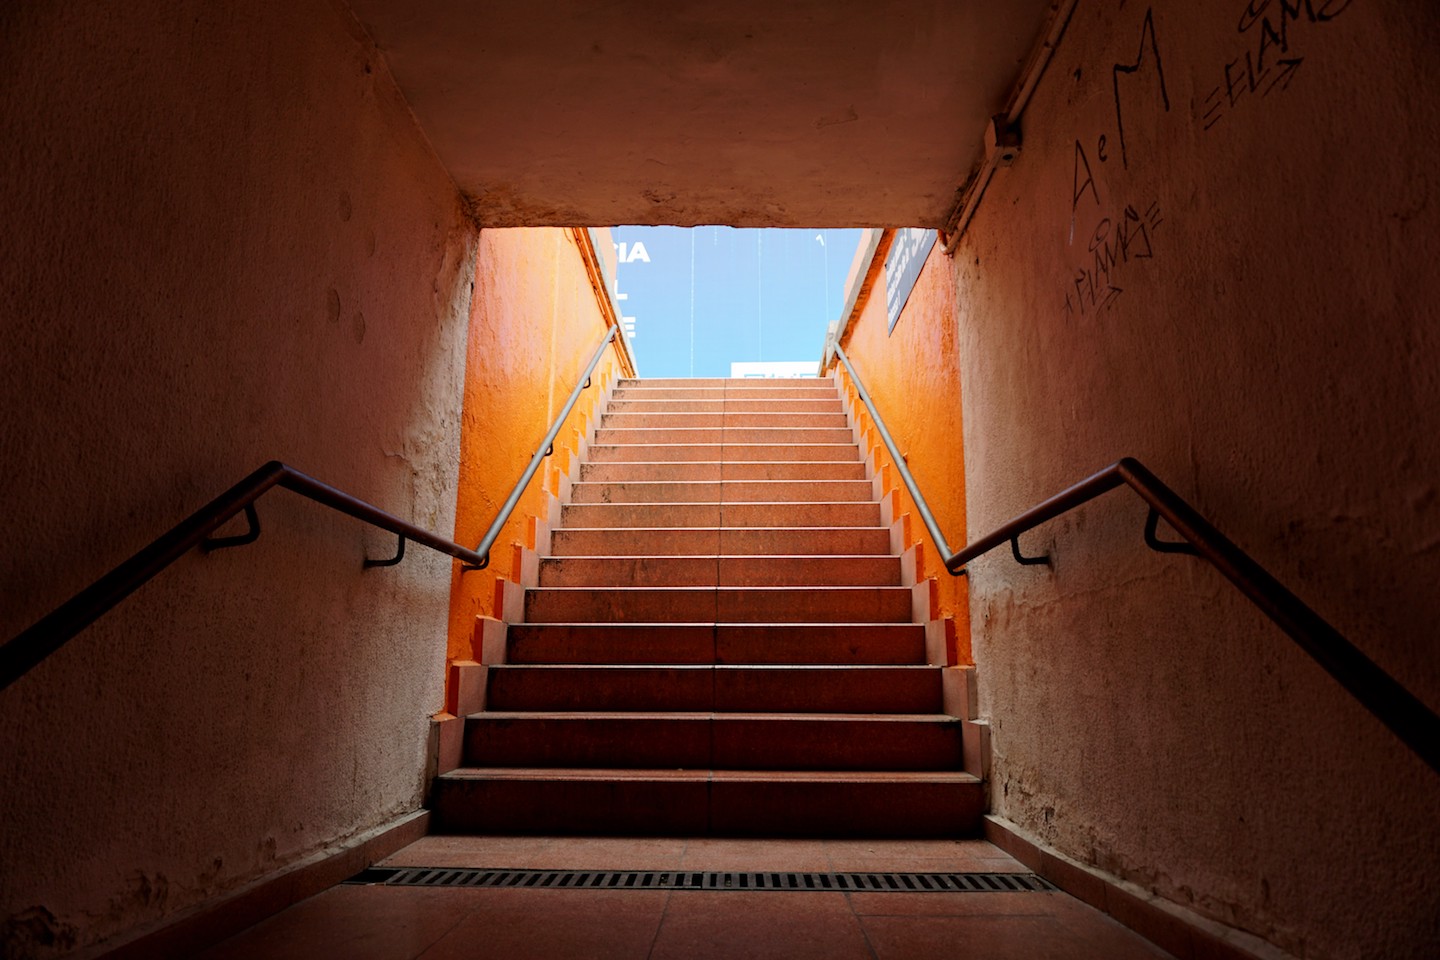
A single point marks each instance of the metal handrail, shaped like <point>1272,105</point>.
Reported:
<point>1417,726</point>
<point>941,543</point>
<point>54,630</point>
<point>544,450</point>
<point>51,632</point>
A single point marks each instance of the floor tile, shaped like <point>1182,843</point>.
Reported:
<point>440,851</point>
<point>914,849</point>
<point>610,853</point>
<point>920,865</point>
<point>735,926</point>
<point>993,938</point>
<point>750,855</point>
<point>355,922</point>
<point>921,856</point>
<point>952,905</point>
<point>554,925</point>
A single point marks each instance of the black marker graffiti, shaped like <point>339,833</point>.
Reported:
<point>1115,243</point>
<point>1147,41</point>
<point>1264,66</point>
<point>1079,188</point>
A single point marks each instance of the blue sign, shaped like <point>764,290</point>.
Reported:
<point>907,255</point>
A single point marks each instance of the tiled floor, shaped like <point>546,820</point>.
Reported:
<point>381,923</point>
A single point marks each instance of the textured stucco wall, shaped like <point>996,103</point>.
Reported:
<point>1264,333</point>
<point>534,324</point>
<point>225,241</point>
<point>913,375</point>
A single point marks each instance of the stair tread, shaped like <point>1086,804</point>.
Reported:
<point>709,625</point>
<point>727,529</point>
<point>622,506</point>
<point>715,666</point>
<point>674,463</point>
<point>711,588</point>
<point>692,557</point>
<point>782,776</point>
<point>942,718</point>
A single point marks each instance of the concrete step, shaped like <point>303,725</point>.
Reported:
<point>716,643</point>
<point>631,421</point>
<point>831,404</point>
<point>716,452</point>
<point>734,741</point>
<point>773,383</point>
<point>851,514</point>
<point>724,689</point>
<point>702,571</point>
<point>655,436</point>
<point>865,604</point>
<point>629,392</point>
<point>723,491</point>
<point>707,802</point>
<point>717,541</point>
<point>669,472</point>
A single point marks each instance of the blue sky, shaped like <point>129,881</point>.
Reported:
<point>752,294</point>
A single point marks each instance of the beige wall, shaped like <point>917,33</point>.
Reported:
<point>1271,348</point>
<point>225,241</point>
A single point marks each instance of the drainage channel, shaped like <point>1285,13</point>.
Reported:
<point>704,880</point>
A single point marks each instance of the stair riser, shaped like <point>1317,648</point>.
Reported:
<point>697,807</point>
<point>724,435</point>
<point>717,393</point>
<point>715,470</point>
<point>682,742</point>
<point>829,405</point>
<point>662,571</point>
<point>728,491</point>
<point>672,421</point>
<point>872,809</point>
<point>715,452</point>
<point>561,808</point>
<point>620,643</point>
<point>712,541</point>
<point>724,643</point>
<point>719,605</point>
<point>777,384</point>
<point>723,689</point>
<point>630,515</point>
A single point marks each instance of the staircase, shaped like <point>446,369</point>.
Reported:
<point>720,642</point>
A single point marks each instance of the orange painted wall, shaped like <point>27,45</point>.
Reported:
<point>535,321</point>
<point>913,375</point>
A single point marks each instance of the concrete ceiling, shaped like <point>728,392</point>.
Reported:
<point>749,113</point>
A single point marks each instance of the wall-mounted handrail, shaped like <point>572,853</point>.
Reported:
<point>51,632</point>
<point>1407,717</point>
<point>926,516</point>
<point>544,450</point>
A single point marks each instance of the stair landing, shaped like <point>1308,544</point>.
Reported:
<point>567,924</point>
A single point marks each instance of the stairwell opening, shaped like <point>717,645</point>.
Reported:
<point>718,301</point>
<point>711,613</point>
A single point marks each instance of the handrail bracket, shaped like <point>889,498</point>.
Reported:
<point>1038,560</point>
<point>393,561</point>
<point>1165,546</point>
<point>239,540</point>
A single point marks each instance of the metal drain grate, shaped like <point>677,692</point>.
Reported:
<point>705,880</point>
